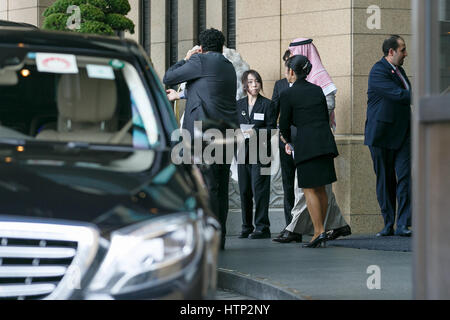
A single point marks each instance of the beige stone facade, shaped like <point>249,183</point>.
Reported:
<point>348,49</point>
<point>29,11</point>
<point>264,29</point>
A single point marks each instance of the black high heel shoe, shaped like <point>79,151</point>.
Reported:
<point>320,241</point>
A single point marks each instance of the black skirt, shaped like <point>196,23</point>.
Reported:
<point>316,172</point>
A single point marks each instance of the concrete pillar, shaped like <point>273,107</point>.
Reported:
<point>27,11</point>
<point>3,9</point>
<point>135,16</point>
<point>186,26</point>
<point>258,30</point>
<point>215,14</point>
<point>158,36</point>
<point>187,29</point>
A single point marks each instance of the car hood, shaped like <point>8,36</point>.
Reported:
<point>103,194</point>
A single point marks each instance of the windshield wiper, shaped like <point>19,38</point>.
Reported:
<point>76,145</point>
<point>13,141</point>
<point>80,145</point>
<point>72,145</point>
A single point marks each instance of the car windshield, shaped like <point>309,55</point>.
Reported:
<point>54,97</point>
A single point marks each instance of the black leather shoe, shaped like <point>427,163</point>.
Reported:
<point>281,234</point>
<point>339,232</point>
<point>403,232</point>
<point>320,241</point>
<point>288,237</point>
<point>259,235</point>
<point>387,231</point>
<point>244,234</point>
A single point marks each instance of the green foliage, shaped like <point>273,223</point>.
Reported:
<point>119,22</point>
<point>102,4</point>
<point>55,21</point>
<point>90,12</point>
<point>96,27</point>
<point>61,6</point>
<point>97,16</point>
<point>119,6</point>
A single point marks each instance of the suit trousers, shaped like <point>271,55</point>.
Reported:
<point>288,177</point>
<point>217,178</point>
<point>393,171</point>
<point>253,185</point>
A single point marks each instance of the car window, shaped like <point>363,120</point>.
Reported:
<point>53,97</point>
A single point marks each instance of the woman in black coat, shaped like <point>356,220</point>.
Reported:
<point>314,149</point>
<point>257,112</point>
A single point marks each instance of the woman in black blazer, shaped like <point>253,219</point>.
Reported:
<point>254,170</point>
<point>304,106</point>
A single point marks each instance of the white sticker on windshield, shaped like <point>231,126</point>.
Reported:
<point>56,63</point>
<point>100,72</point>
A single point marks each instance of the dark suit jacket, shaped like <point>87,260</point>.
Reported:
<point>262,106</point>
<point>210,89</point>
<point>305,106</point>
<point>388,107</point>
<point>280,86</point>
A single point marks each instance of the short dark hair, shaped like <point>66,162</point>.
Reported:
<point>212,40</point>
<point>300,64</point>
<point>391,43</point>
<point>244,79</point>
<point>286,55</point>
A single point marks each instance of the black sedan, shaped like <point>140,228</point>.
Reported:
<point>91,205</point>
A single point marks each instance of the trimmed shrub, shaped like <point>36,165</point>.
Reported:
<point>109,15</point>
<point>119,6</point>
<point>119,22</point>
<point>102,4</point>
<point>96,27</point>
<point>56,21</point>
<point>60,6</point>
<point>90,12</point>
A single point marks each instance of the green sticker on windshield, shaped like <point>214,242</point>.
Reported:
<point>116,64</point>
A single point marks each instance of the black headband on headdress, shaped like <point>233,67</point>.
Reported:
<point>306,65</point>
<point>294,44</point>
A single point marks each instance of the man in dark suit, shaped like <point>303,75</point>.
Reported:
<point>210,94</point>
<point>388,135</point>
<point>286,161</point>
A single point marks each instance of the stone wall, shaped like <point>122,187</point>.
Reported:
<point>348,50</point>
<point>28,11</point>
<point>359,197</point>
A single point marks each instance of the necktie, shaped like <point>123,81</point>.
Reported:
<point>401,78</point>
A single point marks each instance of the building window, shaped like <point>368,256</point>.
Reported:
<point>145,25</point>
<point>172,32</point>
<point>201,17</point>
<point>444,25</point>
<point>231,23</point>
